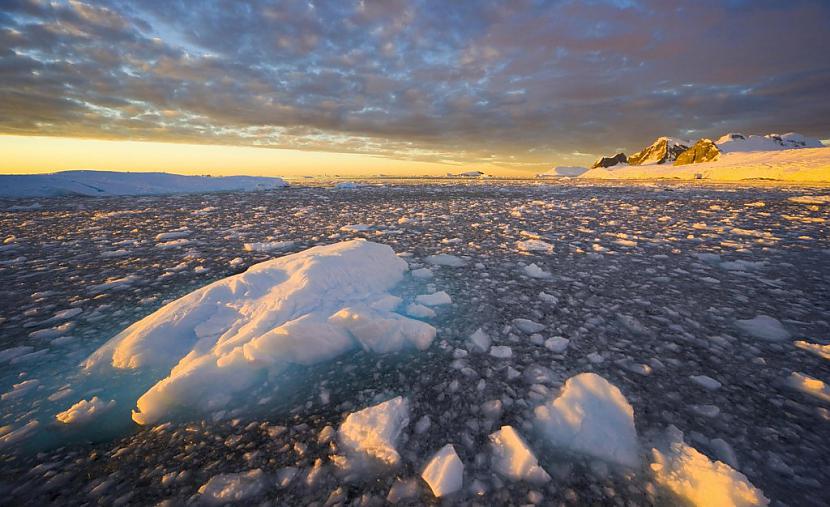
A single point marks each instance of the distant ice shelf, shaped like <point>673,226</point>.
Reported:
<point>112,183</point>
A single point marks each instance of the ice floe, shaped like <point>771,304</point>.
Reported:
<point>591,416</point>
<point>84,411</point>
<point>513,458</point>
<point>695,479</point>
<point>231,488</point>
<point>764,327</point>
<point>444,473</point>
<point>300,309</point>
<point>372,433</point>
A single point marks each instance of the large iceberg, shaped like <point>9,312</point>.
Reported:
<point>227,337</point>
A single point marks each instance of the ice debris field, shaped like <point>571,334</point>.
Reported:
<point>483,343</point>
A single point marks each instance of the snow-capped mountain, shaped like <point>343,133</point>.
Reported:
<point>703,151</point>
<point>664,149</point>
<point>732,142</point>
<point>606,162</point>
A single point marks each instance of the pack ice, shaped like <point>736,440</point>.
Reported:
<point>223,339</point>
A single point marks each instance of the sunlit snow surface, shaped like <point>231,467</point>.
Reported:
<point>706,307</point>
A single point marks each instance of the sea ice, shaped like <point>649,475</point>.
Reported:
<point>422,273</point>
<point>534,271</point>
<point>557,344</point>
<point>534,245</point>
<point>764,327</point>
<point>706,382</point>
<point>434,299</point>
<point>373,432</point>
<point>419,311</point>
<point>269,246</point>
<point>513,458</point>
<point>528,326</point>
<point>444,473</point>
<point>229,488</point>
<point>445,260</point>
<point>822,351</point>
<point>84,411</point>
<point>809,385</point>
<point>299,309</point>
<point>703,483</point>
<point>591,416</point>
<point>480,341</point>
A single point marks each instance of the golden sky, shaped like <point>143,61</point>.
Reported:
<point>40,154</point>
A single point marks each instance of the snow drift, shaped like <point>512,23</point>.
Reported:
<point>110,183</point>
<point>229,336</point>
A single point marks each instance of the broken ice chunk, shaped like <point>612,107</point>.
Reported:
<point>227,488</point>
<point>764,327</point>
<point>527,326</point>
<point>445,472</point>
<point>512,457</point>
<point>373,432</point>
<point>480,341</point>
<point>701,482</point>
<point>706,382</point>
<point>434,299</point>
<point>85,411</point>
<point>557,344</point>
<point>591,416</point>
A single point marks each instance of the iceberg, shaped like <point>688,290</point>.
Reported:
<point>232,335</point>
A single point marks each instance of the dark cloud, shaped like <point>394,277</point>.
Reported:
<point>520,83</point>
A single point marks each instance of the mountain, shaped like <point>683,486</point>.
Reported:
<point>801,165</point>
<point>606,162</point>
<point>732,142</point>
<point>562,171</point>
<point>703,151</point>
<point>111,183</point>
<point>664,149</point>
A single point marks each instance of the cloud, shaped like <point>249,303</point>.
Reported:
<point>523,83</point>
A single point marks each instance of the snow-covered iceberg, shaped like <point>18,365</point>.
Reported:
<point>301,309</point>
<point>109,183</point>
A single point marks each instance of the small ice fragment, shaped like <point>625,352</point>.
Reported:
<point>534,271</point>
<point>501,351</point>
<point>512,457</point>
<point>422,273</point>
<point>557,344</point>
<point>374,431</point>
<point>84,411</point>
<point>809,385</point>
<point>419,311</point>
<point>480,340</point>
<point>764,327</point>
<point>227,488</point>
<point>445,260</point>
<point>528,326</point>
<point>706,382</point>
<point>444,473</point>
<point>434,299</point>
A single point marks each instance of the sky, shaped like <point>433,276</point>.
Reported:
<point>397,87</point>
